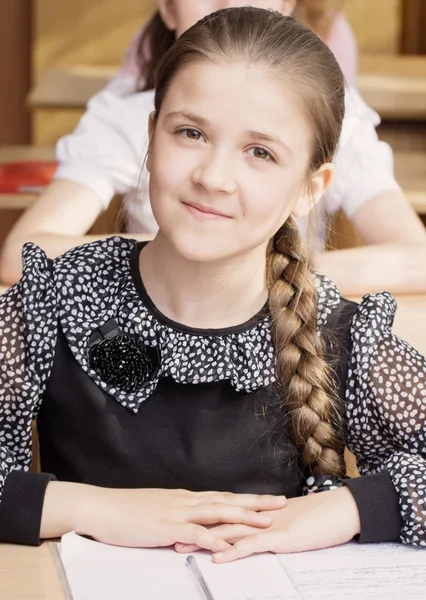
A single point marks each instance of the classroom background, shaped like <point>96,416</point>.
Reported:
<point>55,55</point>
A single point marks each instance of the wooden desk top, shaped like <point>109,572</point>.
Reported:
<point>28,574</point>
<point>410,172</point>
<point>395,86</point>
<point>12,153</point>
<point>69,87</point>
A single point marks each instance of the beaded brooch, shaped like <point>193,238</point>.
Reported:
<point>120,359</point>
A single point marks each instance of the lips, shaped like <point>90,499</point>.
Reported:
<point>205,210</point>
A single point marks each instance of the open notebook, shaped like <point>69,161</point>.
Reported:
<point>93,571</point>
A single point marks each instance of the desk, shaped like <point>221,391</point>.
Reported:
<point>410,172</point>
<point>69,87</point>
<point>395,86</point>
<point>28,574</point>
<point>12,153</point>
<point>410,320</point>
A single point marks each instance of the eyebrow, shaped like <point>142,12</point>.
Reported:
<point>188,115</point>
<point>254,135</point>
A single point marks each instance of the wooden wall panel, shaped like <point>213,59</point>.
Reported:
<point>376,24</point>
<point>95,32</point>
<point>413,39</point>
<point>14,71</point>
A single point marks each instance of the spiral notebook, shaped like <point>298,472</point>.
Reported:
<point>94,571</point>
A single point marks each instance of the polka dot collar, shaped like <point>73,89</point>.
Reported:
<point>100,282</point>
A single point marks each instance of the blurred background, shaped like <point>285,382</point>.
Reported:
<point>55,55</point>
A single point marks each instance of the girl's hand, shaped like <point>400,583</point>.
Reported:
<point>156,517</point>
<point>305,523</point>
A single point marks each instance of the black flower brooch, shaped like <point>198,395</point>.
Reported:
<point>121,360</point>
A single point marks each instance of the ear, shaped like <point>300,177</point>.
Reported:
<point>166,8</point>
<point>151,128</point>
<point>289,7</point>
<point>320,181</point>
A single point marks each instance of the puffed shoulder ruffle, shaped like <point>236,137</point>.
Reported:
<point>372,320</point>
<point>39,312</point>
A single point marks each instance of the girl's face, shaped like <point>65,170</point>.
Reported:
<point>179,15</point>
<point>229,159</point>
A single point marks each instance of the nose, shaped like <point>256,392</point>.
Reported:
<point>216,173</point>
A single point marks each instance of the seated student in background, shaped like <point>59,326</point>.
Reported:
<point>191,368</point>
<point>104,156</point>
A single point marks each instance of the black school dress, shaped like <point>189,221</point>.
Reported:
<point>124,397</point>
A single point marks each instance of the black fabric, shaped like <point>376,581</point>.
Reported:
<point>338,342</point>
<point>378,506</point>
<point>21,507</point>
<point>200,437</point>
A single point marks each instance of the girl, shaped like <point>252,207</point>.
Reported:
<point>104,154</point>
<point>212,358</point>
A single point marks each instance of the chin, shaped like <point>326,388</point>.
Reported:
<point>196,248</point>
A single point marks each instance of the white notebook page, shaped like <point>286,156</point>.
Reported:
<point>359,572</point>
<point>99,572</point>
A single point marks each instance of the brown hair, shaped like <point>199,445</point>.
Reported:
<point>156,39</point>
<point>292,53</point>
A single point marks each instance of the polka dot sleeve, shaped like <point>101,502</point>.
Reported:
<point>27,340</point>
<point>386,411</point>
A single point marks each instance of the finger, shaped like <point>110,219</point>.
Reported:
<point>261,542</point>
<point>233,532</point>
<point>197,535</point>
<point>229,533</point>
<point>251,501</point>
<point>210,513</point>
<point>186,548</point>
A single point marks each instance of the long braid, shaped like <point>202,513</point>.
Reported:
<point>300,366</point>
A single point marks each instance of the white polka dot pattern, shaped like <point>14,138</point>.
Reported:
<point>386,409</point>
<point>84,275</point>
<point>28,324</point>
<point>386,387</point>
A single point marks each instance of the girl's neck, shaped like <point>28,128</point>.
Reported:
<point>203,295</point>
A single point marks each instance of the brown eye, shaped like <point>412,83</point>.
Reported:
<point>192,134</point>
<point>261,153</point>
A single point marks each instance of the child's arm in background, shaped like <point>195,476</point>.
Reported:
<point>365,188</point>
<point>342,42</point>
<point>102,157</point>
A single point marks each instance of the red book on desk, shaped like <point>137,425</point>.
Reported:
<point>26,176</point>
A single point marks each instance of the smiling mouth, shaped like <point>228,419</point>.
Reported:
<point>204,212</point>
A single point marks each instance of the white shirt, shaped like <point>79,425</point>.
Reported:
<point>106,152</point>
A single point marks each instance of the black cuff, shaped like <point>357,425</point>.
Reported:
<point>378,506</point>
<point>21,507</point>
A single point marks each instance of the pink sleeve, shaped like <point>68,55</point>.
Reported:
<point>342,42</point>
<point>130,63</point>
<point>127,79</point>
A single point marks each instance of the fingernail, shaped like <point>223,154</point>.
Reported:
<point>218,555</point>
<point>264,519</point>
